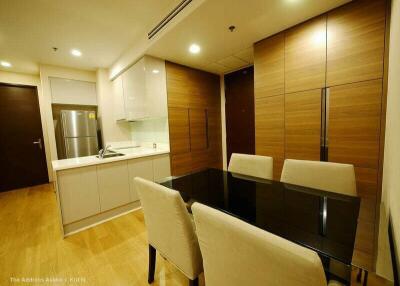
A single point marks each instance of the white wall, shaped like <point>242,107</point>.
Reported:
<point>391,168</point>
<point>53,71</point>
<point>112,131</point>
<point>32,80</point>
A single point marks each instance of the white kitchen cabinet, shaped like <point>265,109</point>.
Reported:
<point>118,99</point>
<point>161,167</point>
<point>78,193</point>
<point>68,91</point>
<point>113,182</point>
<point>140,167</point>
<point>144,91</point>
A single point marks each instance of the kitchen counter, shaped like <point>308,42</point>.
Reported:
<point>129,153</point>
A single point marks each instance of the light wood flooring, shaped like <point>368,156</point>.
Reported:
<point>113,253</point>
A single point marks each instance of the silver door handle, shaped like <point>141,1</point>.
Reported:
<point>39,142</point>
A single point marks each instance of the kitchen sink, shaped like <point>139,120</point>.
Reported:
<point>111,155</point>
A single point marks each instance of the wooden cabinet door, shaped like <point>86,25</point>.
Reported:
<point>354,123</point>
<point>269,66</point>
<point>305,56</point>
<point>269,129</point>
<point>356,41</point>
<point>140,167</point>
<point>303,125</point>
<point>179,134</point>
<point>198,129</point>
<point>113,182</point>
<point>78,193</point>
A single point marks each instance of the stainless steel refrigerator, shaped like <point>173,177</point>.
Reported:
<point>78,133</point>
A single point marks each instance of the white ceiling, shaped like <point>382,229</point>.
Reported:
<point>223,51</point>
<point>101,29</point>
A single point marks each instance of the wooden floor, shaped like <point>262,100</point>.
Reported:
<point>113,253</point>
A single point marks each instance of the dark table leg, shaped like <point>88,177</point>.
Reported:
<point>359,274</point>
<point>152,263</point>
<point>365,278</point>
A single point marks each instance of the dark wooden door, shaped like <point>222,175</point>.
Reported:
<point>23,160</point>
<point>239,112</point>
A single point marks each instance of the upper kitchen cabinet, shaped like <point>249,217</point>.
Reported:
<point>305,56</point>
<point>355,44</point>
<point>68,91</point>
<point>144,91</point>
<point>269,64</point>
<point>118,98</point>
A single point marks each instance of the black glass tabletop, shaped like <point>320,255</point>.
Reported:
<point>323,221</point>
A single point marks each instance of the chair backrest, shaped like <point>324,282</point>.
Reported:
<point>236,253</point>
<point>170,229</point>
<point>251,165</point>
<point>327,176</point>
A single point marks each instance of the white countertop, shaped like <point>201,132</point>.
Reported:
<point>130,153</point>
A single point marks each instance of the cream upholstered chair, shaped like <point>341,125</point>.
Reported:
<point>327,176</point>
<point>251,165</point>
<point>236,253</point>
<point>170,229</point>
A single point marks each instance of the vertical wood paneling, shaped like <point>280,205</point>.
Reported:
<point>303,125</point>
<point>179,130</point>
<point>269,130</point>
<point>305,56</point>
<point>354,123</point>
<point>356,42</point>
<point>194,119</point>
<point>269,77</point>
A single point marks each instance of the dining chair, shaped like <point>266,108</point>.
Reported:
<point>236,253</point>
<point>170,229</point>
<point>327,176</point>
<point>251,165</point>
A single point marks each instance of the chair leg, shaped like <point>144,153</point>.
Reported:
<point>359,274</point>
<point>194,282</point>
<point>152,263</point>
<point>365,278</point>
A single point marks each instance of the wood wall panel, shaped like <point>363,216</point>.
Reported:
<point>198,129</point>
<point>269,126</point>
<point>195,136</point>
<point>303,125</point>
<point>305,56</point>
<point>181,164</point>
<point>354,123</point>
<point>356,42</point>
<point>269,63</point>
<point>179,131</point>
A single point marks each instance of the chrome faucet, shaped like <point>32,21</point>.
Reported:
<point>103,151</point>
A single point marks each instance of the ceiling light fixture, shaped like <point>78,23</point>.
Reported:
<point>5,64</point>
<point>155,71</point>
<point>194,49</point>
<point>76,53</point>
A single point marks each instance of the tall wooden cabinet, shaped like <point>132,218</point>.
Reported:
<point>319,96</point>
<point>194,113</point>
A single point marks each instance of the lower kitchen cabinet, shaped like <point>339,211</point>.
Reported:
<point>113,182</point>
<point>78,193</point>
<point>141,167</point>
<point>161,167</point>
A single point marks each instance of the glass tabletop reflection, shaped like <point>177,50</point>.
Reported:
<point>323,221</point>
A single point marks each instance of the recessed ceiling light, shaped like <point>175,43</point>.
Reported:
<point>155,71</point>
<point>76,53</point>
<point>194,49</point>
<point>5,64</point>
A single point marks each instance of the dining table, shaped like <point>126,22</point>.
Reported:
<point>323,221</point>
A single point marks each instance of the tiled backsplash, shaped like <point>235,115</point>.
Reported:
<point>150,131</point>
